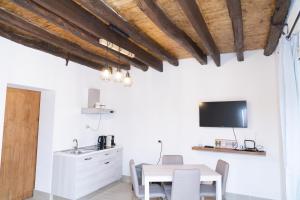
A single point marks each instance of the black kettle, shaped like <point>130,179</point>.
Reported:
<point>102,142</point>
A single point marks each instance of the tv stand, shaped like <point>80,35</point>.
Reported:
<point>226,150</point>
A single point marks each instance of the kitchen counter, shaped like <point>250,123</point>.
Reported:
<point>88,150</point>
<point>78,175</point>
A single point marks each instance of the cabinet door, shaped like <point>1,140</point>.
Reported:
<point>96,171</point>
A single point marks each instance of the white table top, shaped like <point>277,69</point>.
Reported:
<point>164,173</point>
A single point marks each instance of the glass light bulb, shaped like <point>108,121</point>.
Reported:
<point>127,80</point>
<point>106,74</point>
<point>118,76</point>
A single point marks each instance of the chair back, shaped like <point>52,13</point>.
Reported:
<point>223,169</point>
<point>185,184</point>
<point>172,160</point>
<point>134,178</point>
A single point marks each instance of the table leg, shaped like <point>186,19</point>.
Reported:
<point>147,185</point>
<point>219,189</point>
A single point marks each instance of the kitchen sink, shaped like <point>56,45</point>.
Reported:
<point>83,150</point>
<point>78,151</point>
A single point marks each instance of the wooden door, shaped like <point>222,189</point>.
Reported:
<point>19,147</point>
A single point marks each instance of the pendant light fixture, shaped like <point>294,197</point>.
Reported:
<point>118,76</point>
<point>108,74</point>
<point>107,71</point>
<point>127,80</point>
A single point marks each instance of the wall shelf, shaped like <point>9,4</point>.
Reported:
<point>96,111</point>
<point>225,150</point>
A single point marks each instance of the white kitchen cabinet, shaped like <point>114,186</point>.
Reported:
<point>75,176</point>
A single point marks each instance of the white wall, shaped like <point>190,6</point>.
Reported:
<point>29,68</point>
<point>165,106</point>
<point>45,142</point>
<point>161,106</point>
<point>295,6</point>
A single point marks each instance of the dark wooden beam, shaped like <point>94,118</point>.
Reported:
<point>277,24</point>
<point>78,16</point>
<point>66,26</point>
<point>27,40</point>
<point>150,8</point>
<point>235,13</point>
<point>191,10</point>
<point>6,17</point>
<point>103,11</point>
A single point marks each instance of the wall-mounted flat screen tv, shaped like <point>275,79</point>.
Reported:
<point>223,114</point>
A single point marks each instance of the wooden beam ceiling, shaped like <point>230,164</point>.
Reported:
<point>235,13</point>
<point>65,25</point>
<point>74,14</point>
<point>72,48</point>
<point>104,12</point>
<point>277,24</point>
<point>153,30</point>
<point>150,8</point>
<point>191,10</point>
<point>24,38</point>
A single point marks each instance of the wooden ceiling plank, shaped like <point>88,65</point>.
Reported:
<point>235,13</point>
<point>192,12</point>
<point>277,24</point>
<point>75,14</point>
<point>152,10</point>
<point>58,21</point>
<point>103,11</point>
<point>32,42</point>
<point>6,17</point>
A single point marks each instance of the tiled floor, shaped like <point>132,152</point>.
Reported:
<point>122,191</point>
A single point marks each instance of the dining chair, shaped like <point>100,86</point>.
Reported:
<point>155,190</point>
<point>209,190</point>
<point>172,160</point>
<point>185,185</point>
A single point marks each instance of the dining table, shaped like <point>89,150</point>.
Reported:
<point>164,173</point>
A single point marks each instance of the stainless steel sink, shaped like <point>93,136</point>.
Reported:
<point>84,150</point>
<point>77,151</point>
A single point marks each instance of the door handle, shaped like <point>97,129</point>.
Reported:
<point>106,163</point>
<point>89,158</point>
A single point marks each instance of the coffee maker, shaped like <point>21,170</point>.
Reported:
<point>112,142</point>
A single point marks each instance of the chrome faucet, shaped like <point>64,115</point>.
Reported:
<point>76,146</point>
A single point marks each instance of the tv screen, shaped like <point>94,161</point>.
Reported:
<point>223,114</point>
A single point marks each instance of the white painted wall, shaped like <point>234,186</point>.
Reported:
<point>295,8</point>
<point>45,142</point>
<point>165,106</point>
<point>161,106</point>
<point>29,68</point>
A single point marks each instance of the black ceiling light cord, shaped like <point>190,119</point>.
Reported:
<point>161,146</point>
<point>293,27</point>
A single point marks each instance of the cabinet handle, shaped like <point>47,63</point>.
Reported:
<point>90,158</point>
<point>107,163</point>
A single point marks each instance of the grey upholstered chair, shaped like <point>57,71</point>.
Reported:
<point>209,190</point>
<point>155,190</point>
<point>172,160</point>
<point>185,185</point>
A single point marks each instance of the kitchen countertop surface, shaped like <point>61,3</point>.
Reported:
<point>88,150</point>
